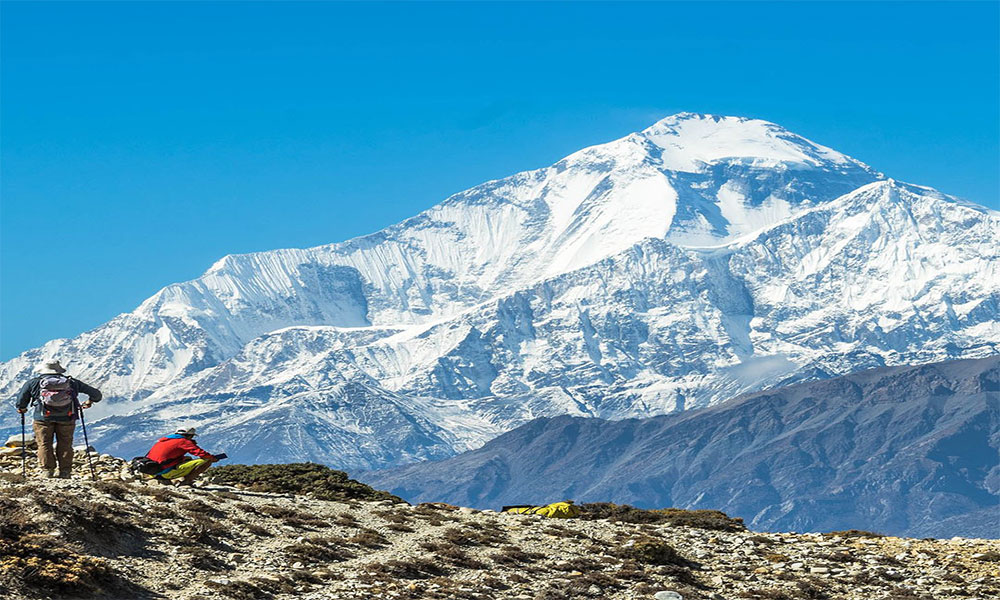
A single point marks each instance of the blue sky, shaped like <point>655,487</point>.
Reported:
<point>143,141</point>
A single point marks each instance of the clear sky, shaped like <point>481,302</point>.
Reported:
<point>143,141</point>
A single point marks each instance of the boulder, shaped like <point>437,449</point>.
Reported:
<point>14,441</point>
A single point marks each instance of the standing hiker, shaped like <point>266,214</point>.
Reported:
<point>54,395</point>
<point>170,451</point>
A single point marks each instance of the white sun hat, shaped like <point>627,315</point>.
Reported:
<point>50,366</point>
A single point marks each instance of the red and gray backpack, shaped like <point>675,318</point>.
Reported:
<point>56,395</point>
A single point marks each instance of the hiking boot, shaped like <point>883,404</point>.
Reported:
<point>65,474</point>
<point>48,473</point>
<point>163,480</point>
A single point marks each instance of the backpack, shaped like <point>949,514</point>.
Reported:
<point>145,465</point>
<point>56,395</point>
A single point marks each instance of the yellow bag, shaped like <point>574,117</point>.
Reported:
<point>556,510</point>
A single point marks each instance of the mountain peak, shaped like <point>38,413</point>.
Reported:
<point>690,141</point>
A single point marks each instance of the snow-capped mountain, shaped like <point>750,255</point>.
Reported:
<point>700,258</point>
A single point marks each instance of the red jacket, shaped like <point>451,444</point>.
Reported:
<point>169,451</point>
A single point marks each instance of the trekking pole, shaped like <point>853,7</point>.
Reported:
<point>83,423</point>
<point>24,451</point>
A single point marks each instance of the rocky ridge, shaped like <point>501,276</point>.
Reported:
<point>126,539</point>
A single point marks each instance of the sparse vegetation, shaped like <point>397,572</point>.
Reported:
<point>368,538</point>
<point>318,481</point>
<point>472,536</point>
<point>325,549</point>
<point>512,555</point>
<point>654,552</point>
<point>853,533</point>
<point>243,546</point>
<point>292,517</point>
<point>675,517</point>
<point>160,494</point>
<point>415,568</point>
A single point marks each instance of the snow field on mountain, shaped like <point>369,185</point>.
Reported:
<point>677,267</point>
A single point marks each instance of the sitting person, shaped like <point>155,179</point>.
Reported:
<point>170,451</point>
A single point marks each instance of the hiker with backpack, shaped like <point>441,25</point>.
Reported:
<point>55,397</point>
<point>167,459</point>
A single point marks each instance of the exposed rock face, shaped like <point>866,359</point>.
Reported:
<point>77,539</point>
<point>902,450</point>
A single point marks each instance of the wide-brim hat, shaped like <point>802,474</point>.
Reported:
<point>188,431</point>
<point>51,367</point>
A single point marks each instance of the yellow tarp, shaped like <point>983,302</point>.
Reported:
<point>556,510</point>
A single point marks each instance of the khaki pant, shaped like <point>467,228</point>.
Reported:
<point>64,445</point>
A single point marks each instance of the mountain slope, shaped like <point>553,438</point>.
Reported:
<point>899,450</point>
<point>297,532</point>
<point>676,267</point>
<point>477,244</point>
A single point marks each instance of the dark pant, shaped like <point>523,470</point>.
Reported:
<point>63,432</point>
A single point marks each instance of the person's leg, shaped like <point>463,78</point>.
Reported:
<point>195,474</point>
<point>188,471</point>
<point>64,448</point>
<point>43,437</point>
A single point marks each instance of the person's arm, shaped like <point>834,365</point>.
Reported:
<point>192,448</point>
<point>24,396</point>
<point>93,394</point>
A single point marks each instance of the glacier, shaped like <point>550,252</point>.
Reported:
<point>696,260</point>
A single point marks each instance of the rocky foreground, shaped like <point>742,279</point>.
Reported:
<point>335,538</point>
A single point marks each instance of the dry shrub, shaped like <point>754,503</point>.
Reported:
<point>239,590</point>
<point>292,517</point>
<point>812,589</point>
<point>256,530</point>
<point>319,550</point>
<point>414,568</point>
<point>115,489</point>
<point>699,519</point>
<point>768,594</point>
<point>38,562</point>
<point>632,571</point>
<point>579,563</point>
<point>202,559</point>
<point>654,552</point>
<point>393,516</point>
<point>453,555</point>
<point>433,513</point>
<point>850,533</point>
<point>581,585</point>
<point>160,494</point>
<point>206,529</point>
<point>368,538</point>
<point>346,519</point>
<point>474,534</point>
<point>316,480</point>
<point>41,565</point>
<point>512,555</point>
<point>101,528</point>
<point>494,584</point>
<point>199,507</point>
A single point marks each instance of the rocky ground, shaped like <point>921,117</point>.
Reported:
<point>127,539</point>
